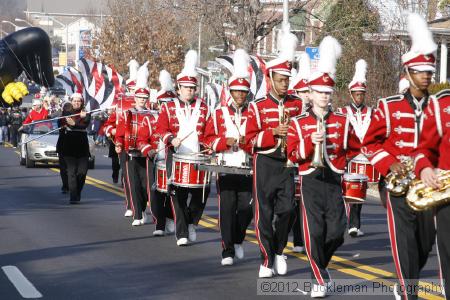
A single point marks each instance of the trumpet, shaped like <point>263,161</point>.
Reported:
<point>283,119</point>
<point>317,161</point>
<point>421,197</point>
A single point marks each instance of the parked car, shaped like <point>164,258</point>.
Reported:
<point>43,149</point>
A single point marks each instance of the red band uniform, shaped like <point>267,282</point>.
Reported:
<point>394,133</point>
<point>433,152</point>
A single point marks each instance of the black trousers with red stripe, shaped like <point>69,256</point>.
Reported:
<point>235,206</point>
<point>412,235</point>
<point>187,212</point>
<point>443,243</point>
<point>161,209</point>
<point>296,221</point>
<point>324,219</point>
<point>137,176</point>
<point>125,182</point>
<point>355,216</point>
<point>273,193</point>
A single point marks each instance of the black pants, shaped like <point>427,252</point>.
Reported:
<point>77,168</point>
<point>63,172</point>
<point>235,206</point>
<point>355,216</point>
<point>184,213</point>
<point>443,244</point>
<point>159,203</point>
<point>115,164</point>
<point>324,220</point>
<point>273,193</point>
<point>412,235</point>
<point>137,177</point>
<point>15,136</point>
<point>125,178</point>
<point>296,224</point>
<point>161,209</point>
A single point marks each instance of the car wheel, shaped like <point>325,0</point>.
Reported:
<point>29,163</point>
<point>91,164</point>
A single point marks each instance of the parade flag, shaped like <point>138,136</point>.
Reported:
<point>257,69</point>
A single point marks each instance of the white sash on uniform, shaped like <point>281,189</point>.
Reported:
<point>359,124</point>
<point>234,130</point>
<point>188,127</point>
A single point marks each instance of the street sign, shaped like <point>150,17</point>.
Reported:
<point>313,52</point>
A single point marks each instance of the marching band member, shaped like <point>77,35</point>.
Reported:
<point>111,128</point>
<point>392,135</point>
<point>150,139</point>
<point>321,134</point>
<point>359,115</point>
<point>432,155</point>
<point>299,84</point>
<point>273,183</point>
<point>181,125</point>
<point>225,133</point>
<point>75,147</point>
<point>127,136</point>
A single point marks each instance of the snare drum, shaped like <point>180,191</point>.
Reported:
<point>184,172</point>
<point>298,192</point>
<point>354,188</point>
<point>361,165</point>
<point>161,176</point>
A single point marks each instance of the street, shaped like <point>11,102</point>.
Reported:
<point>90,251</point>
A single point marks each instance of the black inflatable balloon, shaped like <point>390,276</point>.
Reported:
<point>26,50</point>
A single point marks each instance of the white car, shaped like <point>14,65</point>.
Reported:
<point>43,149</point>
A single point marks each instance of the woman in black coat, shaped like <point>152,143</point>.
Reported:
<point>66,110</point>
<point>75,148</point>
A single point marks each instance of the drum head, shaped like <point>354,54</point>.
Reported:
<point>351,177</point>
<point>353,200</point>
<point>161,164</point>
<point>194,157</point>
<point>360,158</point>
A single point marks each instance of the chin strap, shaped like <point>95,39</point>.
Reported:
<point>411,81</point>
<point>273,85</point>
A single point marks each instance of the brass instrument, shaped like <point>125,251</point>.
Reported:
<point>317,161</point>
<point>421,197</point>
<point>283,119</point>
<point>398,185</point>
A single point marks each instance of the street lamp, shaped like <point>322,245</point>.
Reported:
<point>21,20</point>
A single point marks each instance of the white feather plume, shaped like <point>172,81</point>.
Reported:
<point>304,66</point>
<point>329,50</point>
<point>421,37</point>
<point>360,71</point>
<point>166,81</point>
<point>288,45</point>
<point>142,76</point>
<point>133,67</point>
<point>240,61</point>
<point>190,63</point>
<point>294,73</point>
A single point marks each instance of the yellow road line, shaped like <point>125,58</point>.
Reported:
<point>211,223</point>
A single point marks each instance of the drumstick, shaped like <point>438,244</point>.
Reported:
<point>180,142</point>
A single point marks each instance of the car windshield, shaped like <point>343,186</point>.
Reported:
<point>44,127</point>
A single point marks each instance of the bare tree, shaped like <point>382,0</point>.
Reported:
<point>141,30</point>
<point>242,23</point>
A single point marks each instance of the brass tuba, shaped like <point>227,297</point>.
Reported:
<point>421,197</point>
<point>317,161</point>
<point>398,185</point>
